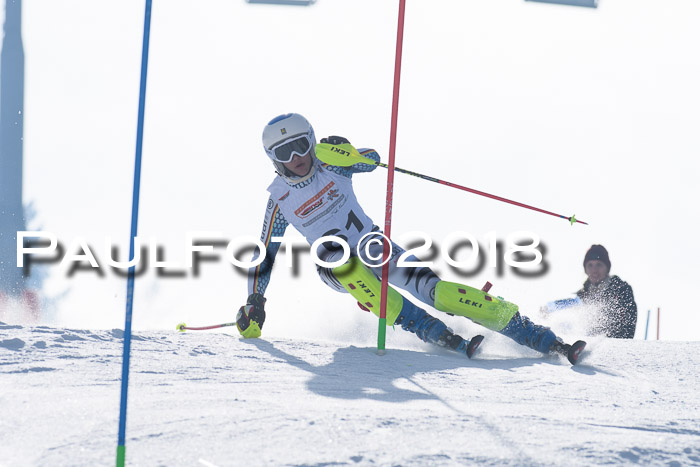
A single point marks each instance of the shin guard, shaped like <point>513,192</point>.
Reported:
<point>480,307</point>
<point>364,286</point>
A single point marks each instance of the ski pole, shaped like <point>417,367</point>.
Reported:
<point>182,327</point>
<point>571,219</point>
<point>344,155</point>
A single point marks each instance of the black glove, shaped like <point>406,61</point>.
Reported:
<point>251,316</point>
<point>335,140</point>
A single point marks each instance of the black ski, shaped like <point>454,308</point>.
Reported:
<point>474,343</point>
<point>575,351</point>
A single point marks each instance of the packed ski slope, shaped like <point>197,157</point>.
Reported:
<point>214,399</point>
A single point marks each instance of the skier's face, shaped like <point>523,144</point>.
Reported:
<point>596,270</point>
<point>299,165</point>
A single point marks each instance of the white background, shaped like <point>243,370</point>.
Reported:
<point>574,110</point>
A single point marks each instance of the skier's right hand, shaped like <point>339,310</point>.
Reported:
<point>251,316</point>
<point>335,140</point>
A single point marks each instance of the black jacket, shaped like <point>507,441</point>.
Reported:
<point>614,299</point>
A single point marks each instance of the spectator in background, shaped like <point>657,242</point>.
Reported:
<point>609,295</point>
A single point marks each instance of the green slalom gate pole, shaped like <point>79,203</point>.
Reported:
<point>381,337</point>
<point>121,441</point>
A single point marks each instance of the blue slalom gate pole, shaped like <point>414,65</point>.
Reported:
<point>646,331</point>
<point>121,444</point>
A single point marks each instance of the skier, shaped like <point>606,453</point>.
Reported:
<point>318,200</point>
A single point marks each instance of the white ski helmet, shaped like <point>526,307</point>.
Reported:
<point>286,136</point>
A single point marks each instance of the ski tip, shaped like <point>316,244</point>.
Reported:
<point>181,327</point>
<point>474,344</point>
<point>575,351</point>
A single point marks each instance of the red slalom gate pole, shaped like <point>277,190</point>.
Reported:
<point>381,337</point>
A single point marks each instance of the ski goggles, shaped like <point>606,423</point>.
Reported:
<point>285,151</point>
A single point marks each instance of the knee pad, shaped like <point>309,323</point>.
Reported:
<point>330,280</point>
<point>326,274</point>
<point>484,309</point>
<point>364,286</point>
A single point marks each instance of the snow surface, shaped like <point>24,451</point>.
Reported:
<point>206,398</point>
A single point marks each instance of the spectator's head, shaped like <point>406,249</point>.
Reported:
<point>596,263</point>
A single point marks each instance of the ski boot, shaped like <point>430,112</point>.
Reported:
<point>541,338</point>
<point>467,347</point>
<point>525,332</point>
<point>431,329</point>
<point>572,352</point>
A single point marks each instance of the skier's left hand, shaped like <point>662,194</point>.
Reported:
<point>251,316</point>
